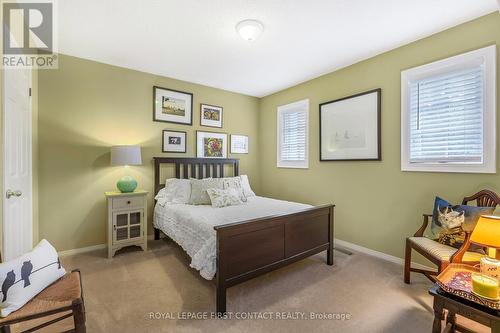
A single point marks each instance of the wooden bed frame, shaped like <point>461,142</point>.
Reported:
<point>251,248</point>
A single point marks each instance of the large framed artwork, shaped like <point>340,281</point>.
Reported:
<point>239,144</point>
<point>172,106</point>
<point>174,141</point>
<point>350,128</point>
<point>211,115</point>
<point>211,144</point>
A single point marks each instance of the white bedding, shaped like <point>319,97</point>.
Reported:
<point>192,227</point>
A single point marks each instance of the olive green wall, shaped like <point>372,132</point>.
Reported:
<point>84,108</point>
<point>378,205</point>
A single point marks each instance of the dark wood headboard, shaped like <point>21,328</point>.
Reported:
<point>192,167</point>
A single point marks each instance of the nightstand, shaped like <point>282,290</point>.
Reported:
<point>127,220</point>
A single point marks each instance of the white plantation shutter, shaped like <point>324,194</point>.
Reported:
<point>446,117</point>
<point>448,114</point>
<point>293,135</point>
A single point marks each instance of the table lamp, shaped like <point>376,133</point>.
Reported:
<point>126,155</point>
<point>487,233</point>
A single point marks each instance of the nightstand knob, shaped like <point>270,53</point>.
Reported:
<point>128,202</point>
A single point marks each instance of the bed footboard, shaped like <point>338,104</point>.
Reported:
<point>250,248</point>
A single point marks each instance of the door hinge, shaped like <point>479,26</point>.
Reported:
<point>29,92</point>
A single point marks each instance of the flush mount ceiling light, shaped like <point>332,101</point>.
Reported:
<point>250,29</point>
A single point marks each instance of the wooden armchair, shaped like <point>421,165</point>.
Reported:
<point>440,254</point>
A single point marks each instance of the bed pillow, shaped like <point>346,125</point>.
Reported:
<point>199,187</point>
<point>26,276</point>
<point>235,184</point>
<point>245,185</point>
<point>224,197</point>
<point>176,191</point>
<point>450,222</point>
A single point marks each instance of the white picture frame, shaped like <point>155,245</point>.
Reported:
<point>174,141</point>
<point>172,106</point>
<point>239,144</point>
<point>211,145</point>
<point>211,115</point>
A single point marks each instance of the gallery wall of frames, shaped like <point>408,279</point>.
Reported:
<point>176,107</point>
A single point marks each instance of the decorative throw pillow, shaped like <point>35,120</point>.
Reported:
<point>176,191</point>
<point>199,187</point>
<point>449,223</point>
<point>235,184</point>
<point>26,276</point>
<point>245,185</point>
<point>223,198</point>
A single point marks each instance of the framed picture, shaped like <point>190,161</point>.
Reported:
<point>239,144</point>
<point>211,145</point>
<point>211,115</point>
<point>172,106</point>
<point>174,141</point>
<point>350,128</point>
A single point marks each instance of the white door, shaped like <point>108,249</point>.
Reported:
<point>17,167</point>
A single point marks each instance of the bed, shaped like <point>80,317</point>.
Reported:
<point>237,243</point>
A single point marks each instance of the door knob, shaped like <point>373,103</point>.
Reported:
<point>11,193</point>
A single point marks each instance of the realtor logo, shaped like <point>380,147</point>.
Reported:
<point>28,35</point>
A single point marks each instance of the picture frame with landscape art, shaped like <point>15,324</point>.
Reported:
<point>350,128</point>
<point>211,115</point>
<point>239,144</point>
<point>173,141</point>
<point>172,106</point>
<point>211,145</point>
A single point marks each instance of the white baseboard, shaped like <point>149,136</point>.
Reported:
<point>378,254</point>
<point>82,250</point>
<point>89,248</point>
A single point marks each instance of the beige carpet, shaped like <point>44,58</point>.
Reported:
<point>121,293</point>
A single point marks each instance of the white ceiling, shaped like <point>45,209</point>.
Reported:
<point>196,40</point>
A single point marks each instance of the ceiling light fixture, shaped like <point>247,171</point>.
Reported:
<point>250,29</point>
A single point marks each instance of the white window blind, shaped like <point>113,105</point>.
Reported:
<point>448,114</point>
<point>446,117</point>
<point>293,135</point>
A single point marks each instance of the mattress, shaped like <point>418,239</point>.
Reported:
<point>192,227</point>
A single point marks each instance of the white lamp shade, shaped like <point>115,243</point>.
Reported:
<point>126,155</point>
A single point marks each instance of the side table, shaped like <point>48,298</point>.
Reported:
<point>460,306</point>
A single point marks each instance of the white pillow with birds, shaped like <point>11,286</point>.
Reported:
<point>26,276</point>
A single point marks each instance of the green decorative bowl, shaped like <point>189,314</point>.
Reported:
<point>126,184</point>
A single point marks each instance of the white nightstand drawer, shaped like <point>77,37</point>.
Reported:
<point>130,202</point>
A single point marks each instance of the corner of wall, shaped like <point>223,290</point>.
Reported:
<point>1,157</point>
<point>34,162</point>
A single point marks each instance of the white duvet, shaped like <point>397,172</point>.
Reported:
<point>192,227</point>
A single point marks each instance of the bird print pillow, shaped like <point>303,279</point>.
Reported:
<point>26,276</point>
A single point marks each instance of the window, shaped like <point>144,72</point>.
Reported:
<point>448,112</point>
<point>293,132</point>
